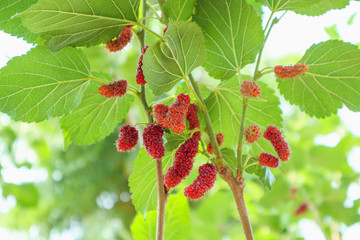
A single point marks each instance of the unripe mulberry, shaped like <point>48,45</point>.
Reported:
<point>203,183</point>
<point>161,115</point>
<point>268,160</point>
<point>119,43</point>
<point>177,113</point>
<point>252,133</point>
<point>183,163</point>
<point>115,89</point>
<point>152,138</point>
<point>219,138</point>
<point>250,89</point>
<point>140,78</point>
<point>192,117</point>
<point>128,137</point>
<point>274,135</point>
<point>291,71</point>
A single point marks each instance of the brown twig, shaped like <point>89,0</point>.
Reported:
<point>162,200</point>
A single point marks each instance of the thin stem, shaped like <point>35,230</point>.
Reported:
<point>239,166</point>
<point>162,200</point>
<point>164,17</point>
<point>148,30</point>
<point>154,11</point>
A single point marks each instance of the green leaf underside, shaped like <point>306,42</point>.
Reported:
<point>333,80</point>
<point>173,141</point>
<point>142,181</point>
<point>322,7</point>
<point>225,109</point>
<point>172,59</point>
<point>292,5</point>
<point>179,10</point>
<point>13,25</point>
<point>177,221</point>
<point>79,22</point>
<point>233,35</point>
<point>43,84</point>
<point>96,117</point>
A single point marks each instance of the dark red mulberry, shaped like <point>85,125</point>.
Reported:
<point>252,133</point>
<point>197,135</point>
<point>301,209</point>
<point>115,89</point>
<point>219,138</point>
<point>291,71</point>
<point>128,137</point>
<point>161,115</point>
<point>192,117</point>
<point>152,138</point>
<point>183,163</point>
<point>140,78</point>
<point>268,160</point>
<point>177,113</point>
<point>250,89</point>
<point>119,43</point>
<point>165,29</point>
<point>274,135</point>
<point>203,183</point>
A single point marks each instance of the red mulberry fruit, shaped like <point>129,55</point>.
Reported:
<point>268,160</point>
<point>128,137</point>
<point>152,138</point>
<point>140,78</point>
<point>183,163</point>
<point>161,115</point>
<point>276,138</point>
<point>291,71</point>
<point>203,183</point>
<point>165,29</point>
<point>252,133</point>
<point>115,89</point>
<point>197,135</point>
<point>301,209</point>
<point>119,43</point>
<point>219,138</point>
<point>192,117</point>
<point>177,113</point>
<point>250,89</point>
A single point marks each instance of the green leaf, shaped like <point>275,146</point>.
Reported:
<point>177,221</point>
<point>79,22</point>
<point>178,10</point>
<point>292,5</point>
<point>322,7</point>
<point>264,173</point>
<point>173,141</point>
<point>96,117</point>
<point>225,109</point>
<point>11,24</point>
<point>43,84</point>
<point>229,158</point>
<point>233,35</point>
<point>142,181</point>
<point>26,194</point>
<point>172,59</point>
<point>333,80</point>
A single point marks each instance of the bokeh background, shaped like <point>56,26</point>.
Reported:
<point>82,193</point>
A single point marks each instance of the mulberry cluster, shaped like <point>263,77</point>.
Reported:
<point>203,183</point>
<point>183,163</point>
<point>192,117</point>
<point>140,78</point>
<point>250,89</point>
<point>268,160</point>
<point>197,135</point>
<point>115,89</point>
<point>220,139</point>
<point>274,135</point>
<point>128,137</point>
<point>119,43</point>
<point>161,115</point>
<point>291,71</point>
<point>252,133</point>
<point>152,138</point>
<point>177,113</point>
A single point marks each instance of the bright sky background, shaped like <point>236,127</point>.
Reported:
<point>294,34</point>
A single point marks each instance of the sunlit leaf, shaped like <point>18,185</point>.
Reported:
<point>178,10</point>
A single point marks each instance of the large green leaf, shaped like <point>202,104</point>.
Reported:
<point>225,109</point>
<point>13,25</point>
<point>79,22</point>
<point>26,194</point>
<point>95,118</point>
<point>292,5</point>
<point>43,84</point>
<point>177,221</point>
<point>178,10</point>
<point>333,80</point>
<point>142,181</point>
<point>172,59</point>
<point>322,7</point>
<point>233,35</point>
